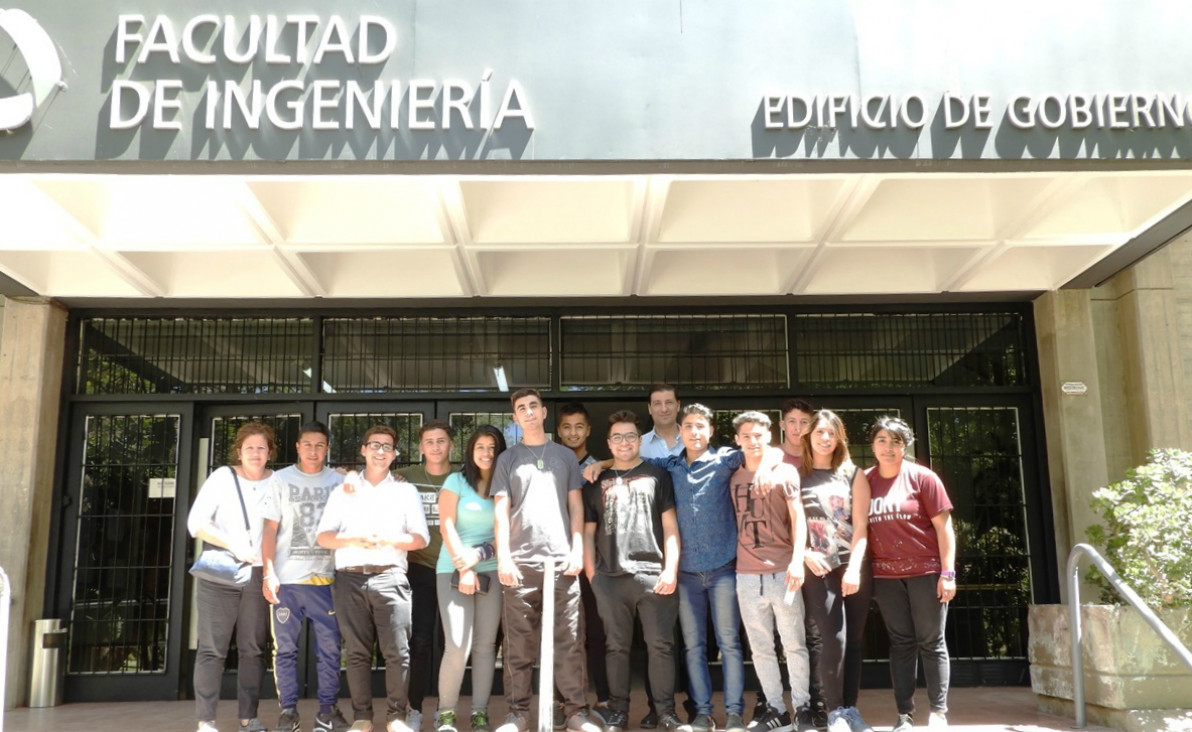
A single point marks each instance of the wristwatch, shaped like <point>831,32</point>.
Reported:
<point>948,574</point>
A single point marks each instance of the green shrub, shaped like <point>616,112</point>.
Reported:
<point>1147,530</point>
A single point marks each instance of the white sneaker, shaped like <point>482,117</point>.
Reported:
<point>937,720</point>
<point>414,720</point>
<point>207,727</point>
<point>397,725</point>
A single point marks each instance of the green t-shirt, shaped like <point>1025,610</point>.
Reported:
<point>428,490</point>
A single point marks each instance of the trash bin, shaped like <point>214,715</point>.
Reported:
<point>49,658</point>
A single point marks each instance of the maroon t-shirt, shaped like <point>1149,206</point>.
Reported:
<point>902,539</point>
<point>793,460</point>
<point>765,536</point>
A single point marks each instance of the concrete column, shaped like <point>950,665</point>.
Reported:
<point>1149,327</point>
<point>1073,424</point>
<point>32,345</point>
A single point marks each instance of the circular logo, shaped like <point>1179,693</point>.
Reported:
<point>41,58</point>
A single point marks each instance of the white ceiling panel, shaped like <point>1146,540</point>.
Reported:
<point>1103,204</point>
<point>67,274</point>
<point>929,208</point>
<point>403,273</point>
<point>1032,268</point>
<point>665,234</point>
<point>158,213</point>
<point>217,273</point>
<point>562,273</point>
<point>355,210</point>
<point>752,210</point>
<point>886,270</point>
<point>738,270</point>
<point>549,210</point>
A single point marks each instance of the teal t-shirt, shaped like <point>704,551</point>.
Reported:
<point>474,522</point>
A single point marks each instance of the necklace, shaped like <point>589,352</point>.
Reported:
<point>538,457</point>
<point>618,473</point>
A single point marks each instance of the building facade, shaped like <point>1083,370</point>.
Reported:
<point>356,213</point>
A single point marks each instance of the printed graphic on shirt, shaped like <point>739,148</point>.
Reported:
<point>765,537</point>
<point>828,506</point>
<point>306,507</point>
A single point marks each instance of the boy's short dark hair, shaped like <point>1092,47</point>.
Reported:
<point>572,408</point>
<point>436,424</point>
<point>522,394</point>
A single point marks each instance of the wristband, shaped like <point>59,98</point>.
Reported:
<point>948,575</point>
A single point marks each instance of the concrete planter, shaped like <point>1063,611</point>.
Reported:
<point>1131,681</point>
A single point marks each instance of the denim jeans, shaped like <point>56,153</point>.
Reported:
<point>762,608</point>
<point>915,620</point>
<point>699,592</point>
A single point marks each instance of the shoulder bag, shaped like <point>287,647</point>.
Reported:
<point>219,565</point>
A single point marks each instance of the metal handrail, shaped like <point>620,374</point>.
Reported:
<point>5,601</point>
<point>1074,625</point>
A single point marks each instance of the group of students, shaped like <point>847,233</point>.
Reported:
<point>794,540</point>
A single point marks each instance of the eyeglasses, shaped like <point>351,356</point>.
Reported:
<point>381,447</point>
<point>629,437</point>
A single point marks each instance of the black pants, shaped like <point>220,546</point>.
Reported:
<point>841,623</point>
<point>915,620</point>
<point>424,622</point>
<point>222,609</point>
<point>815,645</point>
<point>621,599</point>
<point>375,608</point>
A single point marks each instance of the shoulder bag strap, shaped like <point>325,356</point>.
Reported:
<point>243,508</point>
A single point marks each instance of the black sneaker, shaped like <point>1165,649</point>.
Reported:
<point>615,721</point>
<point>332,721</point>
<point>771,720</point>
<point>558,717</point>
<point>734,723</point>
<point>804,719</point>
<point>480,722</point>
<point>819,715</point>
<point>254,725</point>
<point>760,706</point>
<point>288,721</point>
<point>703,723</point>
<point>671,723</point>
<point>650,721</point>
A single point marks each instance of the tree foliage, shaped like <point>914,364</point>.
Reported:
<point>1147,529</point>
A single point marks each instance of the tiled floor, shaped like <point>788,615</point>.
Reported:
<point>990,709</point>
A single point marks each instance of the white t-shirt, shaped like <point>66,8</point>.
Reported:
<point>295,501</point>
<point>217,504</point>
<point>387,508</point>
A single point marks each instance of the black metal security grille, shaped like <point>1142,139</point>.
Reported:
<point>435,354</point>
<point>120,618</point>
<point>689,351</point>
<point>917,349</point>
<point>977,452</point>
<point>196,356</point>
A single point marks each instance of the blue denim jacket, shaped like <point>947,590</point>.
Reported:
<point>707,524</point>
